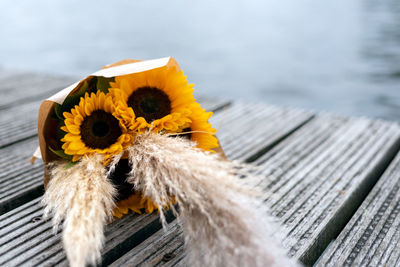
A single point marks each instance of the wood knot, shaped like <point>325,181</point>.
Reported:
<point>36,219</point>
<point>167,257</point>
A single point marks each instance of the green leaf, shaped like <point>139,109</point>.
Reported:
<point>82,90</point>
<point>70,164</point>
<point>60,133</point>
<point>72,100</point>
<point>94,84</point>
<point>103,84</point>
<point>69,102</point>
<point>61,154</point>
<point>58,111</point>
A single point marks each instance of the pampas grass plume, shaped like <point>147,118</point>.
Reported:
<point>83,197</point>
<point>221,221</point>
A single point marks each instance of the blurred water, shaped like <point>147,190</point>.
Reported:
<point>336,55</point>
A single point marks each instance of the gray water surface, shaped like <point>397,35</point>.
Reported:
<point>336,55</point>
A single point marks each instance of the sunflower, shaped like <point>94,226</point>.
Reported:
<point>200,130</point>
<point>160,97</point>
<point>133,202</point>
<point>95,126</point>
<point>136,203</point>
<point>128,198</point>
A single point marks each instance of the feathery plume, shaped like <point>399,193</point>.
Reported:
<point>82,196</point>
<point>221,221</point>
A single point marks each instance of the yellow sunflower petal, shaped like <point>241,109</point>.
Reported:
<point>72,129</point>
<point>76,145</point>
<point>204,137</point>
<point>68,115</point>
<point>76,158</point>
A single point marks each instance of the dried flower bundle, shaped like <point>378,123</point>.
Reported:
<point>133,138</point>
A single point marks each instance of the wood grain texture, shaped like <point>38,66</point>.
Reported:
<point>165,247</point>
<point>20,88</point>
<point>372,237</point>
<point>20,181</point>
<point>18,123</point>
<point>20,97</point>
<point>29,240</point>
<point>318,177</point>
<point>249,128</point>
<point>34,243</point>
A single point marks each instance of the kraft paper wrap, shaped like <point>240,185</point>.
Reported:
<point>47,126</point>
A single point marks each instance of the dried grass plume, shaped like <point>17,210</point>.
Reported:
<point>221,223</point>
<point>82,196</point>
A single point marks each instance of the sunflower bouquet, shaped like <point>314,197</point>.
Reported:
<point>132,138</point>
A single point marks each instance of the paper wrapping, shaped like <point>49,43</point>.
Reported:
<point>48,126</point>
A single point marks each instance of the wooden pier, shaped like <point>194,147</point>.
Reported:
<point>332,182</point>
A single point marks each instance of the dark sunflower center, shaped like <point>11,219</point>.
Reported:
<point>118,178</point>
<point>100,130</point>
<point>150,103</point>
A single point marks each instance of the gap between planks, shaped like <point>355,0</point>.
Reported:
<point>372,236</point>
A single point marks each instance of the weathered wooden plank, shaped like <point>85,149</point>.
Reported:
<point>20,181</point>
<point>258,127</point>
<point>372,236</point>
<point>165,246</point>
<point>18,123</point>
<point>29,241</point>
<point>123,234</point>
<point>20,88</point>
<point>213,104</point>
<point>318,177</point>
